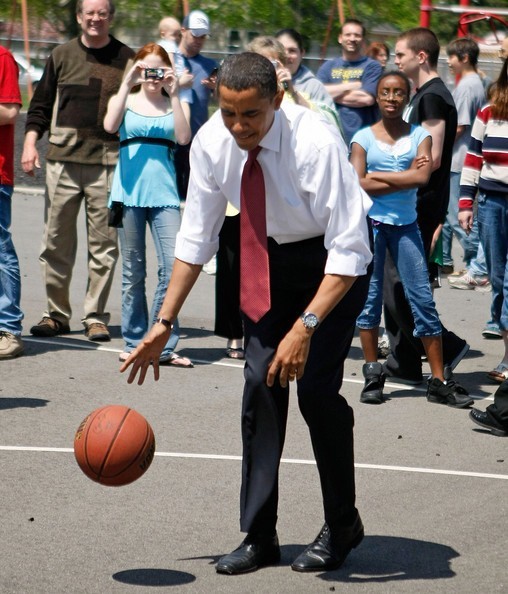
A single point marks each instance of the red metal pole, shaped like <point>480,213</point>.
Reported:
<point>463,31</point>
<point>425,10</point>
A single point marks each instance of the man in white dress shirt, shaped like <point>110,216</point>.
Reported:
<point>318,250</point>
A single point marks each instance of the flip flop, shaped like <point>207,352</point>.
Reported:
<point>176,360</point>
<point>235,353</point>
<point>499,374</point>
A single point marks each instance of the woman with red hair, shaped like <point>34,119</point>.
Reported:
<point>150,122</point>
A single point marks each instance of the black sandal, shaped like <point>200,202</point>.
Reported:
<point>235,353</point>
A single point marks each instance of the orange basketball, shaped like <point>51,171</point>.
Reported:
<point>114,445</point>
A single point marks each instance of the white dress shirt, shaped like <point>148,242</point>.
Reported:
<point>311,190</point>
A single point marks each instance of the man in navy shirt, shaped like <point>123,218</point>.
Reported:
<point>351,80</point>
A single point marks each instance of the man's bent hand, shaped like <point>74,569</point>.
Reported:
<point>291,356</point>
<point>147,353</point>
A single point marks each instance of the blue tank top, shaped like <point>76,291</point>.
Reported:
<point>145,172</point>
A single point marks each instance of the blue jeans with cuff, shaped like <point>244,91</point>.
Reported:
<point>405,245</point>
<point>474,257</point>
<point>10,277</point>
<point>164,223</point>
<point>493,226</point>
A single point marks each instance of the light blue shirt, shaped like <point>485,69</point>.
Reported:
<point>398,208</point>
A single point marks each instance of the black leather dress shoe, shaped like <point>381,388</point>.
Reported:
<point>487,422</point>
<point>329,551</point>
<point>252,554</point>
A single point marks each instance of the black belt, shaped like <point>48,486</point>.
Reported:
<point>148,140</point>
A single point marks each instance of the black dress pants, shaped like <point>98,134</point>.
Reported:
<point>228,321</point>
<point>182,169</point>
<point>296,271</point>
<point>499,410</point>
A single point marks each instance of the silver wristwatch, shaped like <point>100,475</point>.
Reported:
<point>167,323</point>
<point>310,320</point>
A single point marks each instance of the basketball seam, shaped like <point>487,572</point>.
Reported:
<point>111,443</point>
<point>135,459</point>
<point>91,418</point>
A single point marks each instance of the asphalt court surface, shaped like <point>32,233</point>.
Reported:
<point>432,490</point>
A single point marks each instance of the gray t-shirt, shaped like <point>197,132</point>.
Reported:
<point>469,96</point>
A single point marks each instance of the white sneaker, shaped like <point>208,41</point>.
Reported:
<point>468,282</point>
<point>10,345</point>
<point>383,348</point>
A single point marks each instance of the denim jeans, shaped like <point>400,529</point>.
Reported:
<point>10,277</point>
<point>164,224</point>
<point>493,226</point>
<point>474,257</point>
<point>405,245</point>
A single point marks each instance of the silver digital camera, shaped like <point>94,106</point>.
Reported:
<point>155,73</point>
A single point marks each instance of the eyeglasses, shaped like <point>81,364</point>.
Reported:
<point>102,15</point>
<point>397,94</point>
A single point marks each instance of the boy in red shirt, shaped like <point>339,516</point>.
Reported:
<point>11,315</point>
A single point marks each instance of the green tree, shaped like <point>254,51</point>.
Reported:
<point>310,17</point>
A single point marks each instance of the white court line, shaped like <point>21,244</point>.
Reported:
<point>97,347</point>
<point>283,460</point>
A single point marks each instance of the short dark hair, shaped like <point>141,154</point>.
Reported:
<point>295,36</point>
<point>421,39</point>
<point>398,73</point>
<point>353,22</point>
<point>248,70</point>
<point>462,47</point>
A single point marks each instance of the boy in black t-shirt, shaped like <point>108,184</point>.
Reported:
<point>416,54</point>
<point>433,107</point>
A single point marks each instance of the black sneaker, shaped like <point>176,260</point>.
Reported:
<point>372,392</point>
<point>450,393</point>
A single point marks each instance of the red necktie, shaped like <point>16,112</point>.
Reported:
<point>254,267</point>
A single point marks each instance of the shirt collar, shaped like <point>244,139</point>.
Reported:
<point>272,139</point>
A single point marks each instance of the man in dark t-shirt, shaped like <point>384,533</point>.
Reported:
<point>433,104</point>
<point>351,80</point>
<point>416,54</point>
